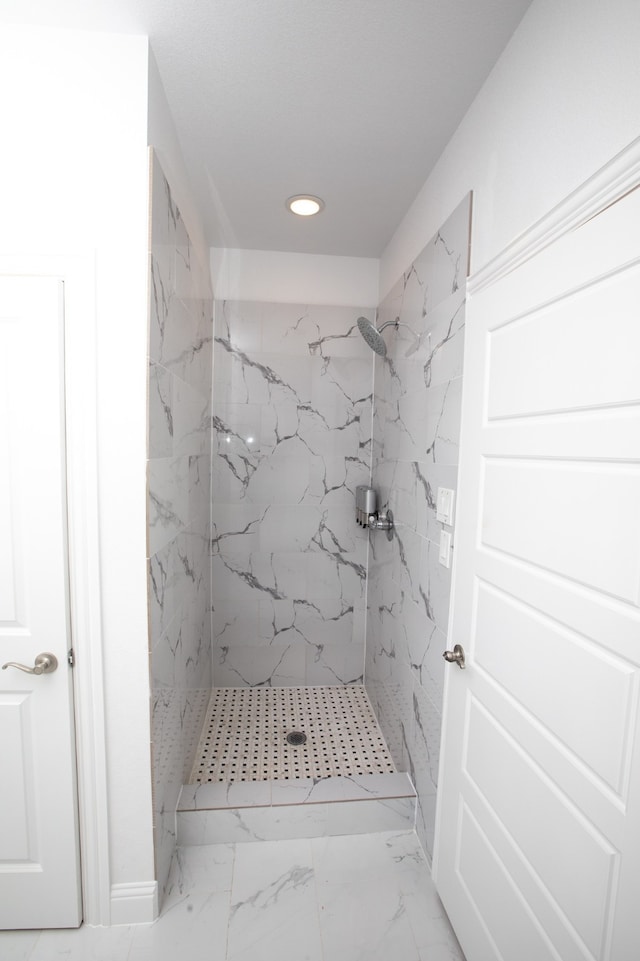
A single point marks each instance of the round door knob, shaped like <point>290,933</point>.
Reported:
<point>456,656</point>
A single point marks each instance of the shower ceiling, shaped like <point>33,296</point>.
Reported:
<point>352,100</point>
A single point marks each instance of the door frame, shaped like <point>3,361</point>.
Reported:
<point>77,274</point>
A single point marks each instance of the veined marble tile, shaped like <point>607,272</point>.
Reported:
<point>278,665</point>
<point>180,351</point>
<point>291,821</point>
<point>240,825</point>
<point>168,500</point>
<point>261,378</point>
<point>191,420</point>
<point>236,527</point>
<point>434,585</point>
<point>303,377</point>
<point>373,927</point>
<point>335,663</point>
<point>199,868</point>
<point>274,912</point>
<point>416,425</point>
<point>234,794</point>
<point>162,279</point>
<point>239,323</point>
<point>160,411</point>
<point>83,944</point>
<point>354,788</point>
<point>197,919</point>
<point>18,945</point>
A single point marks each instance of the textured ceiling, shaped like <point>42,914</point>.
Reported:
<point>352,100</point>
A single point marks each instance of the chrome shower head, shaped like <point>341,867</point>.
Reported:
<point>373,336</point>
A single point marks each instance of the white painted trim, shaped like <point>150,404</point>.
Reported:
<point>605,187</point>
<point>78,276</point>
<point>134,903</point>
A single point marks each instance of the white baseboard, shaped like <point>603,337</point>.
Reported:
<point>134,903</point>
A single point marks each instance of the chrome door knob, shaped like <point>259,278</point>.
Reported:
<point>45,663</point>
<point>456,656</point>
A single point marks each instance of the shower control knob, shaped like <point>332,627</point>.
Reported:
<point>382,522</point>
<point>456,656</point>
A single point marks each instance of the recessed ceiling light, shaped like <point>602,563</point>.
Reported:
<point>305,205</point>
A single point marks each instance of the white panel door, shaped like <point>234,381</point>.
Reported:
<point>39,852</point>
<point>538,836</point>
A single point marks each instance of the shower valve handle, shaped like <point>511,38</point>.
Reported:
<point>382,522</point>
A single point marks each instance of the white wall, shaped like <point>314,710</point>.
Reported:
<point>74,175</point>
<point>562,100</point>
<point>288,278</point>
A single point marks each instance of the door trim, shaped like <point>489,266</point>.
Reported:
<point>77,273</point>
<point>609,184</point>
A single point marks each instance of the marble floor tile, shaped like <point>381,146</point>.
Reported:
<point>372,926</point>
<point>353,898</point>
<point>83,944</point>
<point>194,926</point>
<point>17,945</point>
<point>274,908</point>
<point>195,869</point>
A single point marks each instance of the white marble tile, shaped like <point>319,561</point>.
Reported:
<point>168,500</point>
<point>191,420</point>
<point>204,868</point>
<point>415,450</point>
<point>360,897</point>
<point>341,788</point>
<point>363,817</point>
<point>160,411</point>
<point>197,919</point>
<point>310,380</point>
<point>181,338</point>
<point>240,324</point>
<point>240,825</point>
<point>210,796</point>
<point>84,944</point>
<point>217,827</point>
<point>436,938</point>
<point>335,663</point>
<point>280,665</point>
<point>274,910</point>
<point>370,927</point>
<point>17,945</point>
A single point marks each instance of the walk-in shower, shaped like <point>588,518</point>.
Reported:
<point>373,335</point>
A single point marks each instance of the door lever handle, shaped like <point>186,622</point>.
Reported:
<point>45,663</point>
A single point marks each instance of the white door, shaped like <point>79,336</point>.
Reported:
<point>538,846</point>
<point>39,853</point>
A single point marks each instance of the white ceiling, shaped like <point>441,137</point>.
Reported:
<point>352,100</point>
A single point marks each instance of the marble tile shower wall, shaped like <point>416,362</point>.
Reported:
<point>179,447</point>
<point>416,430</point>
<point>291,440</point>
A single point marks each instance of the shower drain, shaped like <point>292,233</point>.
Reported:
<point>296,737</point>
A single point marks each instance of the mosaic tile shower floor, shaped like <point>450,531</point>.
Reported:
<point>244,736</point>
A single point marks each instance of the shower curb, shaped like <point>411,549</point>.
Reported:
<point>304,808</point>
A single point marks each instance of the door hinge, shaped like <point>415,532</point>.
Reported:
<point>71,657</point>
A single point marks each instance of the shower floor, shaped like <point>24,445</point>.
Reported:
<point>245,731</point>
